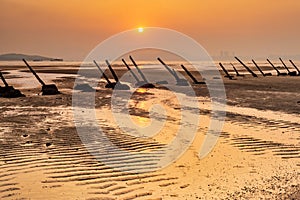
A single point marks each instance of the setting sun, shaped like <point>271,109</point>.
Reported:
<point>140,29</point>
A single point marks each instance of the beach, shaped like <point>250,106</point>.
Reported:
<point>257,155</point>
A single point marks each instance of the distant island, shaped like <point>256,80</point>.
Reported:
<point>16,57</point>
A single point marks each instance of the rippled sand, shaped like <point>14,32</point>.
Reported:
<point>257,154</point>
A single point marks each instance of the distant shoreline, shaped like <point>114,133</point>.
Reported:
<point>18,57</point>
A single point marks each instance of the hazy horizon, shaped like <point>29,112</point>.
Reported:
<point>71,29</point>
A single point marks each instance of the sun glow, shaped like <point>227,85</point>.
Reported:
<point>140,29</point>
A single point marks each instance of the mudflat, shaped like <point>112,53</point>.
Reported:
<point>257,154</point>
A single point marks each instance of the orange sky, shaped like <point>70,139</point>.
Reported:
<point>71,28</point>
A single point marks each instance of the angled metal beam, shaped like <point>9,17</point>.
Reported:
<point>247,68</point>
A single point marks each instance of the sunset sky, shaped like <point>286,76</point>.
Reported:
<point>72,28</point>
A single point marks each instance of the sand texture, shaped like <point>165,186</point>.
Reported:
<point>257,155</point>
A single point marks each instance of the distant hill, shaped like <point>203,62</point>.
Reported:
<point>15,57</point>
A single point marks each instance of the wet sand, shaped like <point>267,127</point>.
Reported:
<point>257,154</point>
